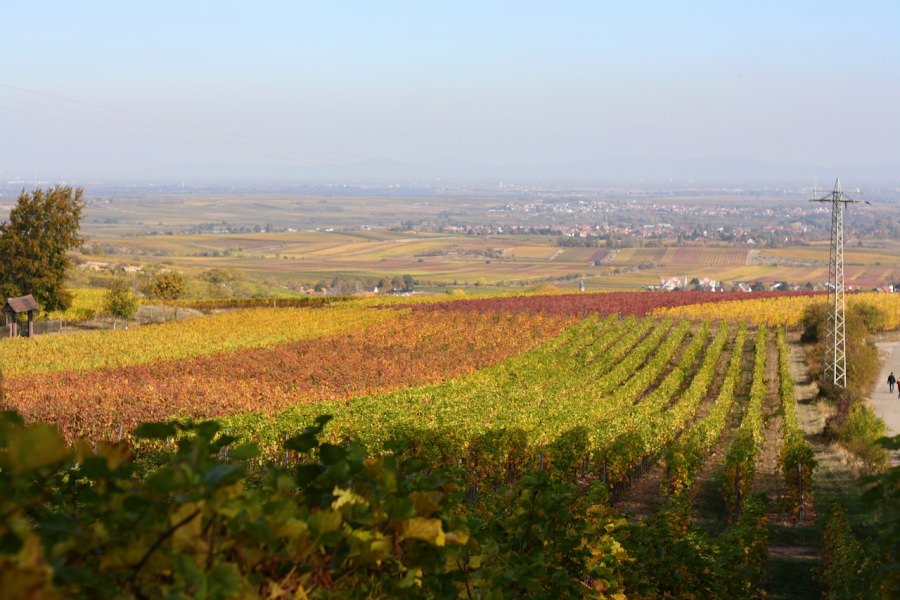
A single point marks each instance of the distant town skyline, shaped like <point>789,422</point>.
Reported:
<point>404,91</point>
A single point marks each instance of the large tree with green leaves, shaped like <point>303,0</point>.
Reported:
<point>35,243</point>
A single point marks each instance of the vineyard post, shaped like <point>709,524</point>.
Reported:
<point>800,488</point>
<point>121,432</point>
<point>737,490</point>
<point>227,449</point>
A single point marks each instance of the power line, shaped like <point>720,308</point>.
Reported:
<point>835,337</point>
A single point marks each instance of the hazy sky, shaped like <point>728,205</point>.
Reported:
<point>224,90</point>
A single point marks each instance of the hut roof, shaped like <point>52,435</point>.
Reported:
<point>21,304</point>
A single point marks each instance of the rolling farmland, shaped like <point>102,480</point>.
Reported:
<point>441,260</point>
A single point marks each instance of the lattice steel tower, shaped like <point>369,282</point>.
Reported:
<point>835,346</point>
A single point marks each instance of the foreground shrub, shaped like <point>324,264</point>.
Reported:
<point>859,433</point>
<point>192,519</point>
<point>861,552</point>
<point>674,558</point>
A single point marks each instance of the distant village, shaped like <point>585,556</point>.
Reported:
<point>683,283</point>
<point>676,283</point>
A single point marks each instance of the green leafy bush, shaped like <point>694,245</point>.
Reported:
<point>859,433</point>
<point>192,519</point>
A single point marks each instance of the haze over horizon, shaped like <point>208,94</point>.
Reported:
<point>580,92</point>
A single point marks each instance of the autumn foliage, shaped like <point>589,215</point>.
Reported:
<point>407,351</point>
<point>620,303</point>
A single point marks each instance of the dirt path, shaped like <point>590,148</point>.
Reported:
<point>885,403</point>
<point>795,545</point>
<point>768,463</point>
<point>837,468</point>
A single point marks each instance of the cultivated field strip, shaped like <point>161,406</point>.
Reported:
<point>688,454</point>
<point>531,406</point>
<point>625,414</point>
<point>631,363</point>
<point>784,311</point>
<point>407,350</point>
<point>513,394</point>
<point>797,454</point>
<point>177,340</point>
<point>740,461</point>
<point>656,427</point>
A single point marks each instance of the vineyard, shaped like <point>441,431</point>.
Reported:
<point>389,354</point>
<point>474,448</point>
<point>785,311</point>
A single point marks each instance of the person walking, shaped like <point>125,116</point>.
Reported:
<point>891,381</point>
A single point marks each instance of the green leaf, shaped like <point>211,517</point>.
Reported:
<point>57,526</point>
<point>221,475</point>
<point>420,528</point>
<point>207,429</point>
<point>356,452</point>
<point>307,473</point>
<point>302,443</point>
<point>164,480</point>
<point>11,417</point>
<point>34,447</point>
<point>154,431</point>
<point>404,508</point>
<point>331,454</point>
<point>10,543</point>
<point>192,575</point>
<point>325,521</point>
<point>244,452</point>
<point>224,581</point>
<point>223,441</point>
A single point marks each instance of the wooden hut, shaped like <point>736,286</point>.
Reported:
<point>15,307</point>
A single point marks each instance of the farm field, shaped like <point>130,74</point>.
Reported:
<point>783,311</point>
<point>451,260</point>
<point>883,254</point>
<point>397,350</point>
<point>643,401</point>
<point>268,359</point>
<point>178,339</point>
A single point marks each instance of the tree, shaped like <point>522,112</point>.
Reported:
<point>120,301</point>
<point>863,363</point>
<point>34,245</point>
<point>168,286</point>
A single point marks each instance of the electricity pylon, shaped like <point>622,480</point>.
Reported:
<point>835,336</point>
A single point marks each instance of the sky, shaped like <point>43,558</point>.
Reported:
<point>280,91</point>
